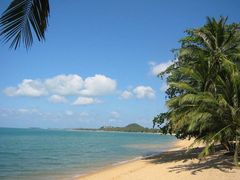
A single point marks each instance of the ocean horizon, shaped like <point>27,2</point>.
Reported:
<point>64,154</point>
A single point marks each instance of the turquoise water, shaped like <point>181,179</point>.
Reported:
<point>61,154</point>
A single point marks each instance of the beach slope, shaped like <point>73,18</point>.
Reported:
<point>171,165</point>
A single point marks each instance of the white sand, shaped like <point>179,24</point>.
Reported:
<point>171,165</point>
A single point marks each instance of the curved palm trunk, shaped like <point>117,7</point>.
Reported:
<point>236,152</point>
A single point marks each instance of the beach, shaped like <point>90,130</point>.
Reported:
<point>172,164</point>
<point>41,154</point>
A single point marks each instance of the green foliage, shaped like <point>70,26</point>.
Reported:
<point>130,128</point>
<point>204,86</point>
<point>20,18</point>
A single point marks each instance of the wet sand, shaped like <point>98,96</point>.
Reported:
<point>170,165</point>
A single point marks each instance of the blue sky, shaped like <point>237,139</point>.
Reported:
<point>99,62</point>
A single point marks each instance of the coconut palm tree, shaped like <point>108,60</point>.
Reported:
<point>214,42</point>
<point>204,89</point>
<point>21,18</point>
<point>209,116</point>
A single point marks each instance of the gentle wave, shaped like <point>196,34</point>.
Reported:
<point>51,154</point>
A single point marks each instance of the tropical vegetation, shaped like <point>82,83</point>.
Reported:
<point>204,87</point>
<point>204,81</point>
<point>133,127</point>
<point>21,19</point>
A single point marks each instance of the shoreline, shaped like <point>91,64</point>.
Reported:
<point>170,145</point>
<point>149,168</point>
<point>98,130</point>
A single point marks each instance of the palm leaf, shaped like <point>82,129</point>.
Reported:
<point>211,139</point>
<point>20,18</point>
<point>190,72</point>
<point>183,86</point>
<point>204,86</point>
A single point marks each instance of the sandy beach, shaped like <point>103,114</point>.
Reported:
<point>172,164</point>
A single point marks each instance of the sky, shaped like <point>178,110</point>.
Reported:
<point>98,64</point>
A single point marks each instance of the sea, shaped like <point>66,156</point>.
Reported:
<point>43,154</point>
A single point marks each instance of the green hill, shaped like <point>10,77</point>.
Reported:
<point>134,127</point>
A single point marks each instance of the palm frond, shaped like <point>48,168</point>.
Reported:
<point>20,18</point>
<point>191,73</point>
<point>183,86</point>
<point>210,139</point>
<point>204,87</point>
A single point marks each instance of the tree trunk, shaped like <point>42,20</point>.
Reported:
<point>236,152</point>
<point>226,145</point>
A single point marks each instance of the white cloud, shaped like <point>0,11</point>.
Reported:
<point>115,115</point>
<point>69,113</point>
<point>84,114</point>
<point>98,85</point>
<point>152,63</point>
<point>57,99</point>
<point>22,110</point>
<point>85,101</point>
<point>139,92</point>
<point>126,94</point>
<point>16,112</point>
<point>28,87</point>
<point>4,114</point>
<point>65,84</point>
<point>144,91</point>
<point>25,110</point>
<point>164,87</point>
<point>158,68</point>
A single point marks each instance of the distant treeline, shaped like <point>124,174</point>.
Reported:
<point>129,128</point>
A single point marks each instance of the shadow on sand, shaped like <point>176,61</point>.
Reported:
<point>219,160</point>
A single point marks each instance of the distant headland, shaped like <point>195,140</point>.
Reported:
<point>134,127</point>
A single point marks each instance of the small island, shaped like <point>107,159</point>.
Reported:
<point>133,127</point>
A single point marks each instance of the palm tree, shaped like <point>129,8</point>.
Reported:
<point>21,18</point>
<point>204,97</point>
<point>209,116</point>
<point>215,41</point>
